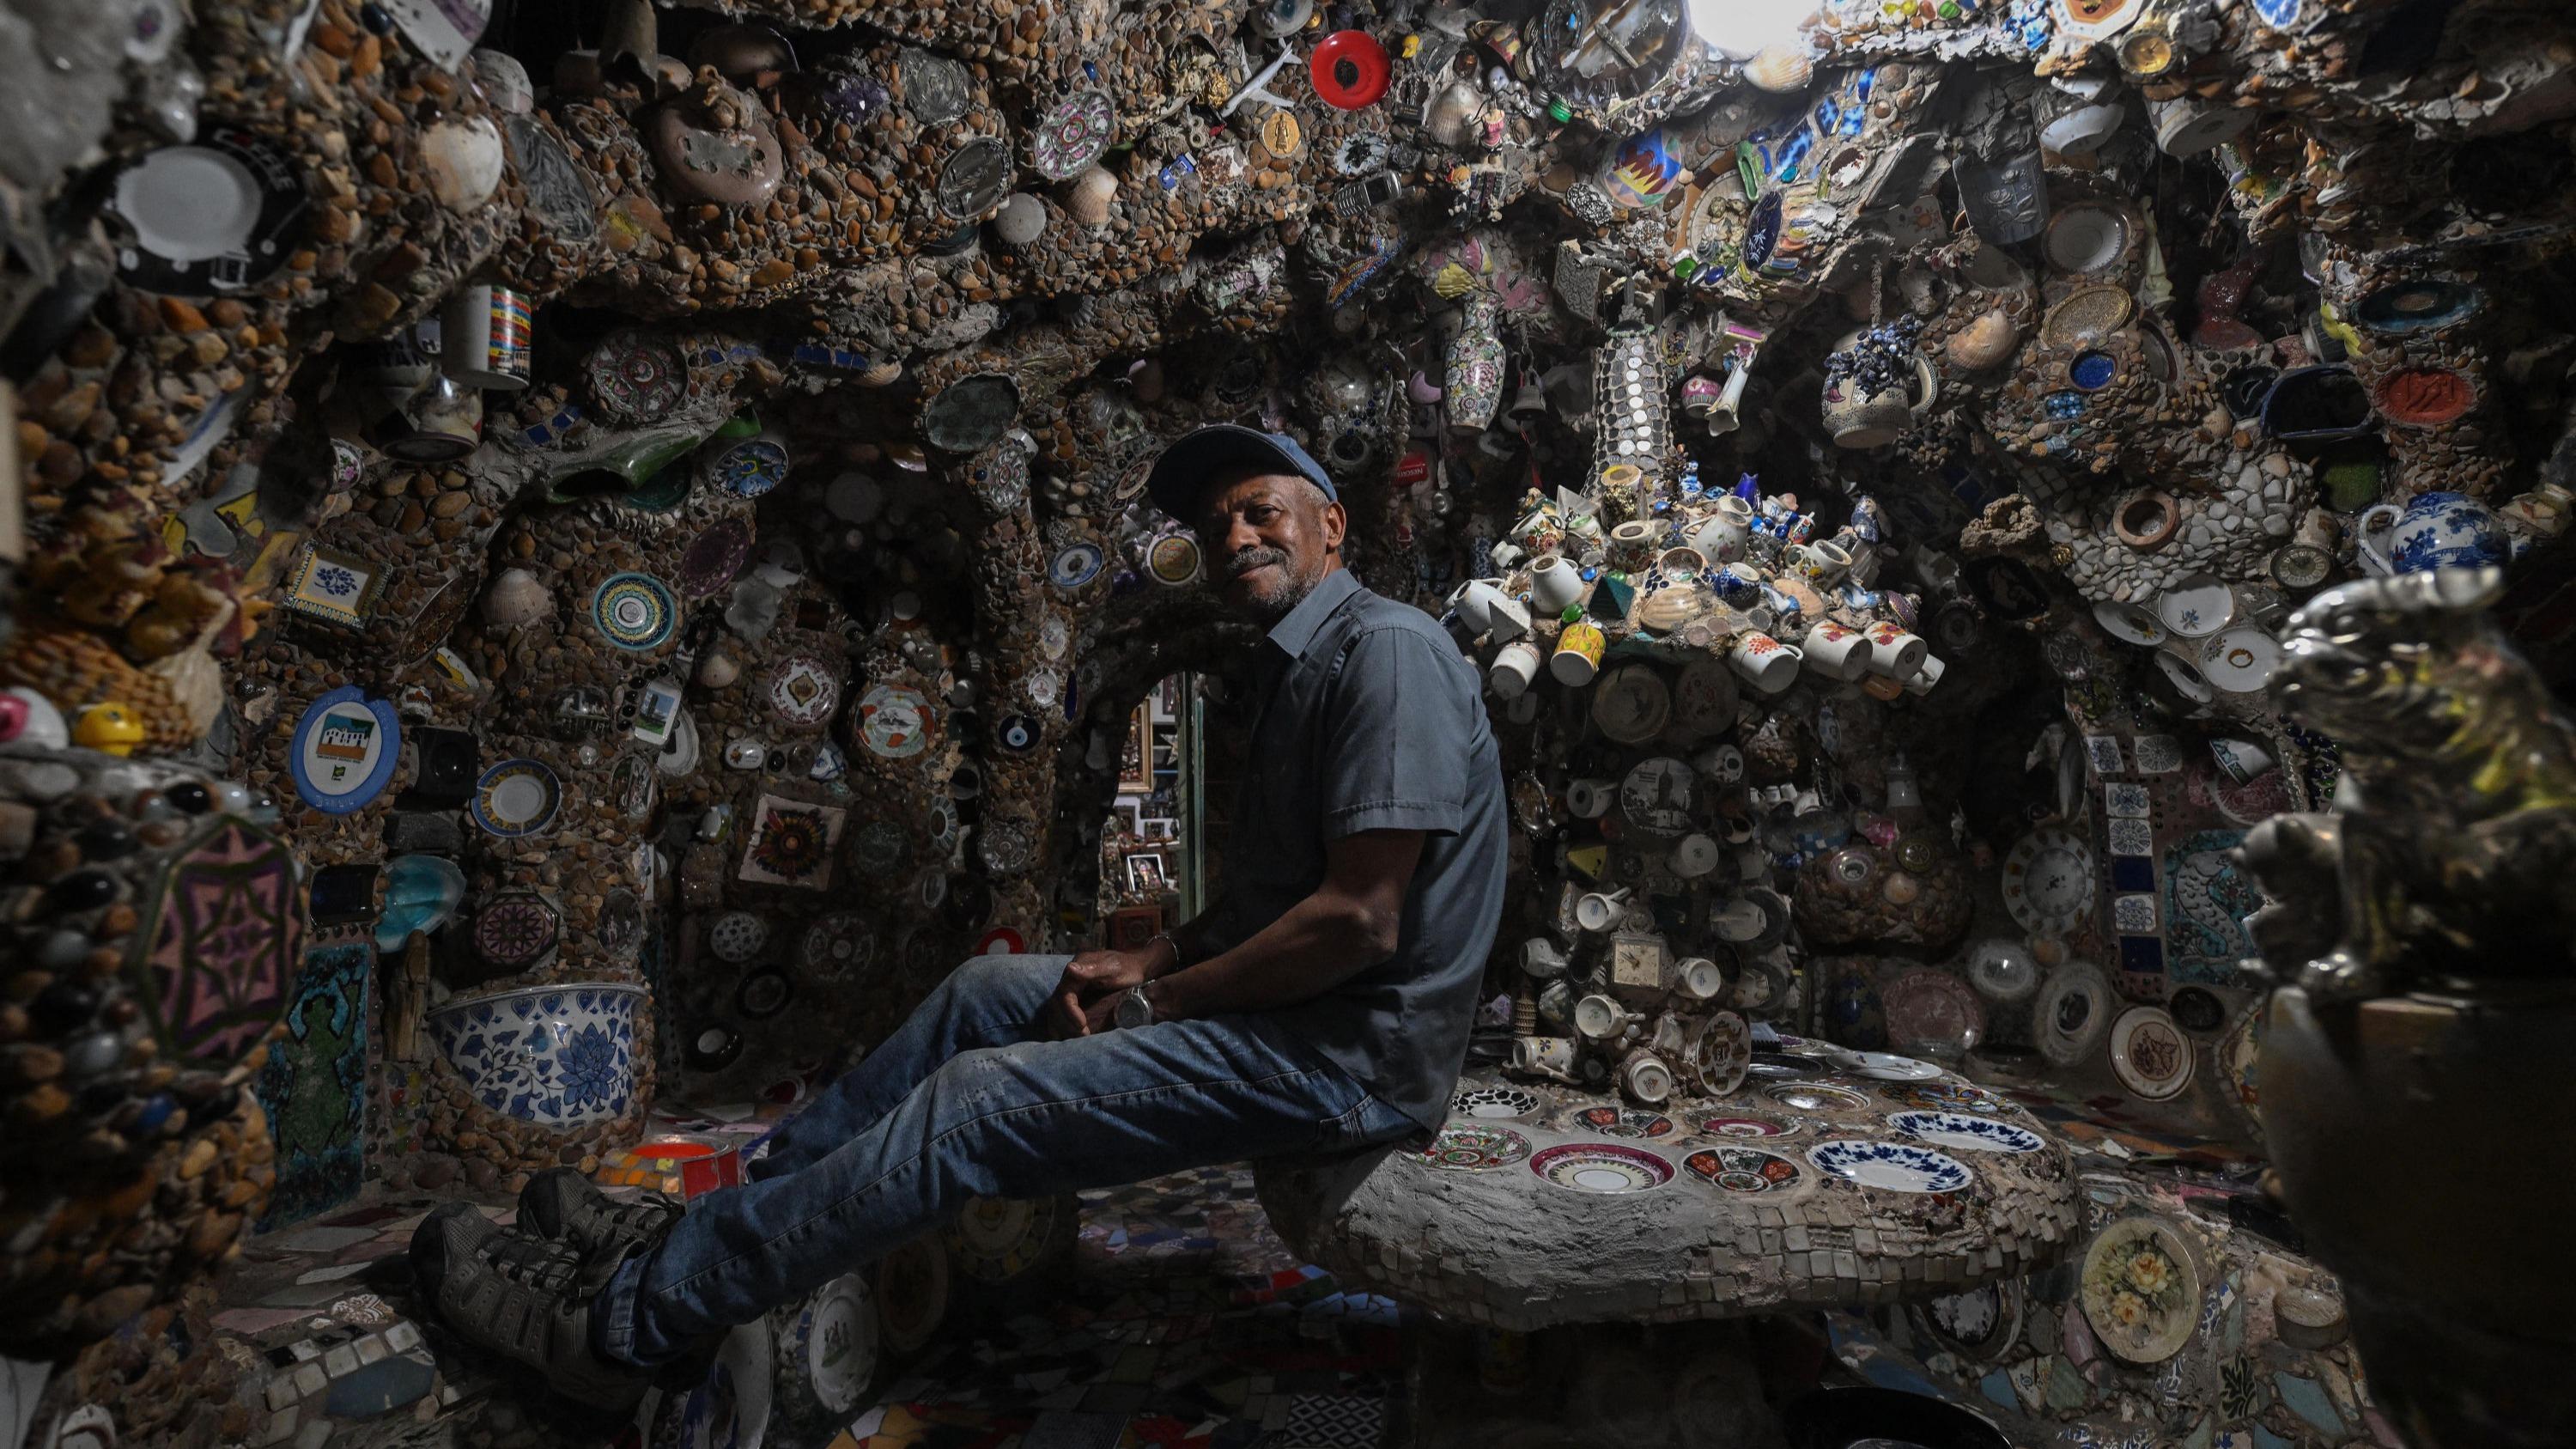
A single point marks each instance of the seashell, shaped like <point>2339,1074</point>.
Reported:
<point>718,669</point>
<point>1985,342</point>
<point>1088,201</point>
<point>1453,281</point>
<point>1780,69</point>
<point>517,597</point>
<point>1452,111</point>
<point>881,375</point>
<point>464,160</point>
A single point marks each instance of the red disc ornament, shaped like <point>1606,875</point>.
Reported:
<point>1350,70</point>
<point>1001,941</point>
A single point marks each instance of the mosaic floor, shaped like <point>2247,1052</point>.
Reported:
<point>1183,1323</point>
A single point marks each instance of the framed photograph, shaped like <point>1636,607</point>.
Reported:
<point>1135,775</point>
<point>1157,827</point>
<point>1145,871</point>
<point>1167,698</point>
<point>1131,928</point>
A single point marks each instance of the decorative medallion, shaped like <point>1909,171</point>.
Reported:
<point>714,557</point>
<point>791,843</point>
<point>516,798</point>
<point>1931,1007</point>
<point>1721,1053</point>
<point>737,936</point>
<point>344,750</point>
<point>895,721</point>
<point>763,993</point>
<point>558,189</point>
<point>975,178</point>
<point>912,1293</point>
<point>1016,733</point>
<point>634,611</point>
<point>1173,560</point>
<point>973,413</point>
<point>1073,134</point>
<point>515,930</point>
<point>1476,1148</point>
<point>935,88</point>
<point>999,1239</point>
<point>335,587</point>
<point>1602,1167</point>
<point>2150,1054</point>
<point>837,944</point>
<point>748,467</point>
<point>1742,1170</point>
<point>1981,1323</point>
<point>1655,796</point>
<point>2141,1290</point>
<point>226,932</point>
<point>2072,1012</point>
<point>1960,1132</point>
<point>802,690</point>
<point>1493,1102</point>
<point>1890,1166</point>
<point>636,376</point>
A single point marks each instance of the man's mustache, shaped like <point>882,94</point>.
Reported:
<point>1253,558</point>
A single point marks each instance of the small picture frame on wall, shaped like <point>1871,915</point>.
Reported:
<point>1135,775</point>
<point>1145,871</point>
<point>1157,827</point>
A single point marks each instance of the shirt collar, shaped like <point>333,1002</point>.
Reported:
<point>1295,632</point>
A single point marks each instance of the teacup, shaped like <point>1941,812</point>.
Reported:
<point>1543,958</point>
<point>1925,675</point>
<point>1895,652</point>
<point>1589,799</point>
<point>1474,600</point>
<point>1513,669</point>
<point>1821,562</point>
<point>1766,663</point>
<point>1578,654</point>
<point>1699,978</point>
<point>1695,855</point>
<point>1554,583</point>
<point>2433,531</point>
<point>1600,1018</point>
<point>1543,1056</point>
<point>1600,910</point>
<point>1839,652</point>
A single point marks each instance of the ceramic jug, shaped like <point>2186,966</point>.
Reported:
<point>2433,531</point>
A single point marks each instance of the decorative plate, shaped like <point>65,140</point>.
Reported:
<point>1743,1170</point>
<point>2141,1290</point>
<point>1982,1322</point>
<point>2151,1055</point>
<point>1960,1132</point>
<point>2240,660</point>
<point>912,1293</point>
<point>210,217</point>
<point>1743,1127</point>
<point>2129,622</point>
<point>2403,307</point>
<point>714,557</point>
<point>634,611</point>
<point>636,377</point>
<point>1721,1053</point>
<point>515,929</point>
<point>749,467</point>
<point>1173,560</point>
<point>2086,315</point>
<point>516,797</point>
<point>1785,1066</point>
<point>802,690</point>
<point>1073,134</point>
<point>1891,1166</point>
<point>1075,566</point>
<point>935,88</point>
<point>2003,970</point>
<point>1621,1122</point>
<point>837,944</point>
<point>2197,607</point>
<point>999,1239</point>
<point>972,413</point>
<point>764,993</point>
<point>975,178</point>
<point>737,936</point>
<point>1602,1167</point>
<point>1494,1102</point>
<point>896,721</point>
<point>1927,1005</point>
<point>1945,1097</point>
<point>1889,1067</point>
<point>2072,1012</point>
<point>2085,238</point>
<point>2048,881</point>
<point>344,750</point>
<point>1476,1148</point>
<point>1815,1097</point>
<point>2185,676</point>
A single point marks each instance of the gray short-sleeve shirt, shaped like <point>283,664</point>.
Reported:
<point>1370,719</point>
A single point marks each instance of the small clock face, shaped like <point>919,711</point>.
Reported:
<point>1656,796</point>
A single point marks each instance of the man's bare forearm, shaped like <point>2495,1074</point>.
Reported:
<point>1314,946</point>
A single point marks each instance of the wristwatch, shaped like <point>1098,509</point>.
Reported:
<point>1135,1008</point>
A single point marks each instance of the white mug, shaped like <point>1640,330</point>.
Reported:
<point>1600,910</point>
<point>1765,662</point>
<point>1589,799</point>
<point>1700,978</point>
<point>1513,670</point>
<point>1508,554</point>
<point>1598,1018</point>
<point>1928,675</point>
<point>1724,538</point>
<point>1543,1056</point>
<point>1645,1080</point>
<point>1894,652</point>
<point>1822,563</point>
<point>1840,652</point>
<point>1695,855</point>
<point>1555,583</point>
<point>1474,600</point>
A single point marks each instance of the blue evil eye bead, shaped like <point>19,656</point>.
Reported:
<point>1017,733</point>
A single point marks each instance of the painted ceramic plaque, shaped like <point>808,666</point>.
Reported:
<point>344,751</point>
<point>896,721</point>
<point>226,935</point>
<point>791,844</point>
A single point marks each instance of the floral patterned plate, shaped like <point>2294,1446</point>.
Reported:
<point>1602,1167</point>
<point>1743,1170</point>
<point>2151,1055</point>
<point>1960,1132</point>
<point>1494,1102</point>
<point>2141,1289</point>
<point>1475,1148</point>
<point>1743,1127</point>
<point>1891,1166</point>
<point>1621,1122</point>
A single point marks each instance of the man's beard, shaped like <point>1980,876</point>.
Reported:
<point>1275,598</point>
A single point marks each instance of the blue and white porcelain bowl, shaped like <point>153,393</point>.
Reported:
<point>557,1056</point>
<point>2432,531</point>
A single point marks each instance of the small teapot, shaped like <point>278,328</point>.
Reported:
<point>2432,531</point>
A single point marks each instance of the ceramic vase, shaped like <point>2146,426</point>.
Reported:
<point>1474,365</point>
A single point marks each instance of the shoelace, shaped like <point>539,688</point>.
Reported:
<point>532,1261</point>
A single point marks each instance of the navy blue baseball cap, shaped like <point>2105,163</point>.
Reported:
<point>1186,466</point>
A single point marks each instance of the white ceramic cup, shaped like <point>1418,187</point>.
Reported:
<point>1695,855</point>
<point>1543,1056</point>
<point>1724,537</point>
<point>1599,1018</point>
<point>1836,650</point>
<point>1925,675</point>
<point>1766,663</point>
<point>1821,562</point>
<point>1474,601</point>
<point>1507,555</point>
<point>1514,668</point>
<point>1589,799</point>
<point>1894,652</point>
<point>1555,583</point>
<point>1543,958</point>
<point>1600,910</point>
<point>1699,978</point>
<point>1645,1080</point>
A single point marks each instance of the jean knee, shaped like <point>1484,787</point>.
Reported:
<point>1008,978</point>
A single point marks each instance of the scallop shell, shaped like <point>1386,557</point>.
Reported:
<point>1780,69</point>
<point>1092,192</point>
<point>881,375</point>
<point>517,597</point>
<point>1985,342</point>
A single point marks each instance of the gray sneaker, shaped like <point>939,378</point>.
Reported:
<point>560,1203</point>
<point>522,1297</point>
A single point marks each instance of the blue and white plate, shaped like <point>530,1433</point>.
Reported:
<point>1076,566</point>
<point>1960,1132</point>
<point>1893,1166</point>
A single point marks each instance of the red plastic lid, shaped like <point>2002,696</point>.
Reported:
<point>1350,69</point>
<point>1001,941</point>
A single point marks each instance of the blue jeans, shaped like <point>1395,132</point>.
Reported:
<point>969,1099</point>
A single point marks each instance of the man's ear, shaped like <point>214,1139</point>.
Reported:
<point>1337,521</point>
